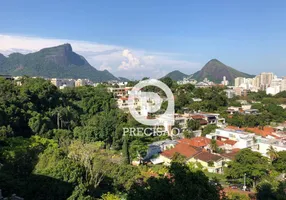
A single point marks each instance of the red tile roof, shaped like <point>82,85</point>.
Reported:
<point>203,122</point>
<point>198,117</point>
<point>230,142</point>
<point>183,149</point>
<point>267,130</point>
<point>231,155</point>
<point>199,141</point>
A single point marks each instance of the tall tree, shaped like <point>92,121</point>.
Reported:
<point>125,149</point>
<point>213,146</point>
<point>279,163</point>
<point>253,164</point>
<point>272,153</point>
<point>180,184</point>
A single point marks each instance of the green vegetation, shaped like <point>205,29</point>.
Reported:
<point>209,129</point>
<point>69,144</point>
<point>253,164</point>
<point>269,111</point>
<point>182,184</point>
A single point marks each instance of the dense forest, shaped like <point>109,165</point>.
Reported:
<point>68,144</point>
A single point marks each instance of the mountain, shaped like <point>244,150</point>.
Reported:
<point>2,58</point>
<point>176,75</point>
<point>215,70</point>
<point>53,62</point>
<point>123,79</point>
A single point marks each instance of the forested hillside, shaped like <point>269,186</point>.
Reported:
<point>68,144</point>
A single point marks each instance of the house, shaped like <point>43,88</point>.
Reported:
<point>203,118</point>
<point>231,111</point>
<point>235,109</point>
<point>120,92</point>
<point>211,162</point>
<point>214,118</point>
<point>182,148</point>
<point>200,142</point>
<point>122,103</point>
<point>182,119</point>
<point>194,154</point>
<point>230,155</point>
<point>159,146</point>
<point>251,111</point>
<point>228,144</point>
<point>266,131</point>
<point>263,144</point>
<point>242,139</point>
<point>200,118</point>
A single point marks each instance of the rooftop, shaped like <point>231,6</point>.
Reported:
<point>183,149</point>
<point>230,142</point>
<point>199,141</point>
<point>266,131</point>
<point>206,156</point>
<point>230,155</point>
<point>164,142</point>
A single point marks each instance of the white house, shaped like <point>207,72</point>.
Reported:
<point>243,139</point>
<point>159,146</point>
<point>263,144</point>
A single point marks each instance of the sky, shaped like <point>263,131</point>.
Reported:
<point>135,39</point>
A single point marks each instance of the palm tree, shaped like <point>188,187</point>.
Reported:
<point>213,145</point>
<point>272,153</point>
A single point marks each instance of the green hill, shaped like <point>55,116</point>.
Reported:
<point>215,70</point>
<point>54,62</point>
<point>123,79</point>
<point>176,75</point>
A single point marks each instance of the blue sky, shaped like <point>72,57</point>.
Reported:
<point>152,37</point>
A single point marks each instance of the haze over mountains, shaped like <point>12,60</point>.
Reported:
<point>214,71</point>
<point>53,62</point>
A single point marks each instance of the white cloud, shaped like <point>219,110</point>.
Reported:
<point>121,61</point>
<point>131,63</point>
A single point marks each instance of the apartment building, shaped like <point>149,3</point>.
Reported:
<point>83,82</point>
<point>62,82</point>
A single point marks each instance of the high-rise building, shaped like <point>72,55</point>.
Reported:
<point>283,84</point>
<point>57,82</point>
<point>275,86</point>
<point>263,80</point>
<point>62,82</point>
<point>224,81</point>
<point>266,79</point>
<point>257,81</point>
<point>238,81</point>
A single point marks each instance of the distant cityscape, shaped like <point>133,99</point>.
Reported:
<point>266,81</point>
